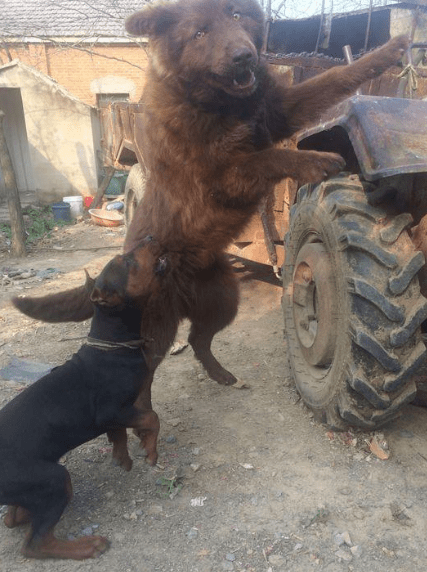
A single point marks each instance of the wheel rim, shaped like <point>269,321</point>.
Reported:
<point>314,297</point>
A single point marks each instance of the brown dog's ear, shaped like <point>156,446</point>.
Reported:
<point>162,266</point>
<point>73,305</point>
<point>151,21</point>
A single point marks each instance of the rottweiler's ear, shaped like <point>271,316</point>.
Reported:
<point>154,20</point>
<point>89,280</point>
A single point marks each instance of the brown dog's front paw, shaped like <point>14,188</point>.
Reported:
<point>397,47</point>
<point>388,55</point>
<point>320,166</point>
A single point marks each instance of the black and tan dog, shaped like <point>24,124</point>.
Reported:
<point>92,393</point>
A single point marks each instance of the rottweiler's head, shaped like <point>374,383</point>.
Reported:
<point>134,278</point>
<point>214,43</point>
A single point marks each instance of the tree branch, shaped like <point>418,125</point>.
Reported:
<point>65,46</point>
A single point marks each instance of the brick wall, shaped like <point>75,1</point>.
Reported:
<point>76,69</point>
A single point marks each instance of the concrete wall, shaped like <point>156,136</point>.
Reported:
<point>62,134</point>
<point>407,22</point>
<point>16,139</point>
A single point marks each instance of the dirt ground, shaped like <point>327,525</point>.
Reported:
<point>246,480</point>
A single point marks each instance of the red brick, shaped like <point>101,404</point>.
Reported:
<point>76,69</point>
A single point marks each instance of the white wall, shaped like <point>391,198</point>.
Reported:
<point>62,147</point>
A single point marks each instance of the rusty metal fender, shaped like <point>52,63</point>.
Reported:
<point>388,135</point>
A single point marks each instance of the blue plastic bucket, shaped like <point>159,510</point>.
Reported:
<point>61,212</point>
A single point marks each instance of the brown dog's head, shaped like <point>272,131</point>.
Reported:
<point>135,278</point>
<point>214,42</point>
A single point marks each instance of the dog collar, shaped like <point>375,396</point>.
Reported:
<point>106,345</point>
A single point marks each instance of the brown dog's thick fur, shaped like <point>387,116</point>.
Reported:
<point>214,113</point>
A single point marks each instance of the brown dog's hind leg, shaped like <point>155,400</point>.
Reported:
<point>214,308</point>
<point>119,439</point>
<point>200,339</point>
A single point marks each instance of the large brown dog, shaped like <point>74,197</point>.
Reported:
<point>214,112</point>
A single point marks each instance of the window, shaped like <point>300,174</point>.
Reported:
<point>103,99</point>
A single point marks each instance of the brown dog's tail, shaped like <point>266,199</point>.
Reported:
<point>73,305</point>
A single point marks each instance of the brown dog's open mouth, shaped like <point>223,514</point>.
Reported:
<point>240,84</point>
<point>244,80</point>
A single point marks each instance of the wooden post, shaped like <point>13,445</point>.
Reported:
<point>13,202</point>
<point>109,172</point>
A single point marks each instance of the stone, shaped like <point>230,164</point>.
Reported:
<point>193,533</point>
<point>356,551</point>
<point>276,560</point>
<point>344,555</point>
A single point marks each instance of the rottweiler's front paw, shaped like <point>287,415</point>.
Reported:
<point>147,430</point>
<point>79,549</point>
<point>16,516</point>
<point>124,462</point>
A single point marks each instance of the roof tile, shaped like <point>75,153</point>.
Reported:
<point>56,18</point>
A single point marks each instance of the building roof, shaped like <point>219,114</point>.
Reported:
<point>65,18</point>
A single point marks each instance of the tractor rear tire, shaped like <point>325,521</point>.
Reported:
<point>352,305</point>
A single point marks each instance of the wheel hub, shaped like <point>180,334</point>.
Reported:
<point>314,296</point>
